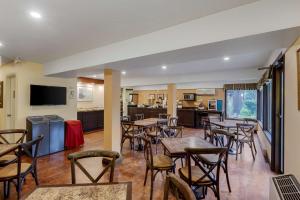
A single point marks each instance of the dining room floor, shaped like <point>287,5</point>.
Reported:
<point>249,179</point>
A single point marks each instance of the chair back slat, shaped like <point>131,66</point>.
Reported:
<point>8,132</point>
<point>179,187</point>
<point>75,157</point>
<point>148,151</point>
<point>139,116</point>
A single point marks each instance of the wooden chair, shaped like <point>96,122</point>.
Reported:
<point>179,188</point>
<point>245,135</point>
<point>163,116</point>
<point>155,164</point>
<point>139,116</point>
<point>4,134</point>
<point>125,118</point>
<point>207,130</point>
<point>211,159</point>
<point>129,132</point>
<point>75,157</point>
<point>173,131</point>
<point>173,121</point>
<point>157,133</point>
<point>16,172</point>
<point>200,176</point>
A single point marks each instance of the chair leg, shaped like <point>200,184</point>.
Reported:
<point>252,151</point>
<point>6,189</point>
<point>253,142</point>
<point>236,150</point>
<point>146,175</point>
<point>34,175</point>
<point>227,177</point>
<point>152,181</point>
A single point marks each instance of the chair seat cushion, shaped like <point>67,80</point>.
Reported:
<point>11,170</point>
<point>197,173</point>
<point>7,158</point>
<point>162,161</point>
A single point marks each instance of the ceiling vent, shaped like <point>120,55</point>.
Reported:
<point>285,187</point>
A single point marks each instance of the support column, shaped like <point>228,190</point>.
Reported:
<point>112,89</point>
<point>172,109</point>
<point>125,101</point>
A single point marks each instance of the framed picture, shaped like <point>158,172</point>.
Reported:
<point>160,96</point>
<point>151,96</point>
<point>298,76</point>
<point>84,93</point>
<point>1,94</point>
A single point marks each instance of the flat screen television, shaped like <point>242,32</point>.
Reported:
<point>47,95</point>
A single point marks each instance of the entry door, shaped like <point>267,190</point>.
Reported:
<point>277,162</point>
<point>11,102</point>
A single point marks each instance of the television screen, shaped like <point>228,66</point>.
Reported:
<point>47,95</point>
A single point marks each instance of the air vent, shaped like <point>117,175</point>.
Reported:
<point>287,187</point>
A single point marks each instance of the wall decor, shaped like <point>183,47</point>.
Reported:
<point>72,93</point>
<point>151,96</point>
<point>298,75</point>
<point>160,96</point>
<point>84,93</point>
<point>1,94</point>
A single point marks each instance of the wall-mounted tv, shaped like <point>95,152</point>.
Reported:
<point>47,95</point>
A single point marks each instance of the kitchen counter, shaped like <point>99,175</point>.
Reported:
<point>189,117</point>
<point>91,119</point>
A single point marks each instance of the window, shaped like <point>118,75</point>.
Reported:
<point>266,108</point>
<point>241,103</point>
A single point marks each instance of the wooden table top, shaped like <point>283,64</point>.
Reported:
<point>176,146</point>
<point>230,123</point>
<point>148,122</point>
<point>6,148</point>
<point>101,191</point>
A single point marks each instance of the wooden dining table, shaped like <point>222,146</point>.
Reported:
<point>7,148</point>
<point>101,191</point>
<point>175,146</point>
<point>149,122</point>
<point>229,124</point>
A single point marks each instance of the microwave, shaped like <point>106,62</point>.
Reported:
<point>189,96</point>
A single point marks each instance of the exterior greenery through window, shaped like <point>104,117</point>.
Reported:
<point>241,104</point>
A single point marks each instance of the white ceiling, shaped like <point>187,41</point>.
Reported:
<point>247,53</point>
<point>69,26</point>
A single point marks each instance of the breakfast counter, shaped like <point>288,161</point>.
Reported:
<point>189,117</point>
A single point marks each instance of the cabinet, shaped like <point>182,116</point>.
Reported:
<point>91,120</point>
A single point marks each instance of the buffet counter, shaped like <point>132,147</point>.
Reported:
<point>189,117</point>
<point>91,118</point>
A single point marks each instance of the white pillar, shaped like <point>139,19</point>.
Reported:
<point>172,109</point>
<point>125,101</point>
<point>112,89</point>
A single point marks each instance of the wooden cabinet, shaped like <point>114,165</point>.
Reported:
<point>186,117</point>
<point>91,120</point>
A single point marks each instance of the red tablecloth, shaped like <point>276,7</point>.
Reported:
<point>74,134</point>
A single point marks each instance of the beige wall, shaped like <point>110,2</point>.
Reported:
<point>98,97</point>
<point>31,73</point>
<point>292,115</point>
<point>143,96</point>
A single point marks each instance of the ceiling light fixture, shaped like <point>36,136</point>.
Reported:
<point>95,76</point>
<point>35,15</point>
<point>123,72</point>
<point>226,58</point>
<point>1,44</point>
<point>164,67</point>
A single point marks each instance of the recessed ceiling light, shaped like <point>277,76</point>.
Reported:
<point>94,76</point>
<point>123,72</point>
<point>35,15</point>
<point>226,58</point>
<point>1,44</point>
<point>164,67</point>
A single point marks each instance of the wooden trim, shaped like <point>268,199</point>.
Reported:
<point>90,80</point>
<point>1,94</point>
<point>298,76</point>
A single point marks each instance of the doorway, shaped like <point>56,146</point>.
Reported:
<point>10,102</point>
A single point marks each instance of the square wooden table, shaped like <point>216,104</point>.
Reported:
<point>101,191</point>
<point>229,124</point>
<point>7,148</point>
<point>176,146</point>
<point>149,122</point>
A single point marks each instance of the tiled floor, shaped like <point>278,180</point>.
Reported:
<point>249,179</point>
